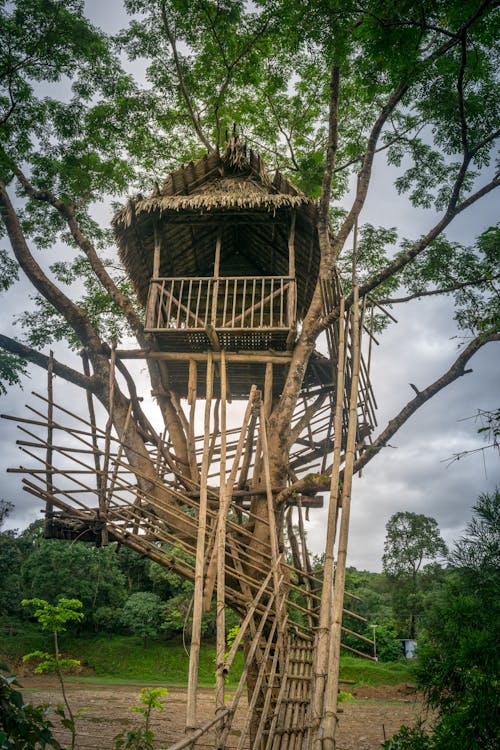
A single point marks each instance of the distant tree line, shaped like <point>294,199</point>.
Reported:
<point>124,592</point>
<point>120,590</point>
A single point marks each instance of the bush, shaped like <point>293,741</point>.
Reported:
<point>459,652</point>
<point>142,614</point>
<point>22,726</point>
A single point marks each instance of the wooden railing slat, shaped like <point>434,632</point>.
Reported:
<point>228,303</point>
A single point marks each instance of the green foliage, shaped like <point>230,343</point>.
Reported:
<point>409,738</point>
<point>344,697</point>
<point>459,658</point>
<point>375,605</point>
<point>388,644</point>
<point>10,561</point>
<point>77,570</point>
<point>231,636</point>
<point>55,618</point>
<point>411,539</point>
<point>22,725</point>
<point>84,129</point>
<point>459,651</point>
<point>12,369</point>
<point>142,614</point>
<point>142,738</point>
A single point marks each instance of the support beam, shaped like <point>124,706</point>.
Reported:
<point>194,653</point>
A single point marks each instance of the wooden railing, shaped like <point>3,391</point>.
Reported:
<point>226,303</point>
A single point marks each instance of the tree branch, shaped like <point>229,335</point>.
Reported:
<point>402,260</point>
<point>37,358</point>
<point>365,171</point>
<point>182,83</point>
<point>331,152</point>
<point>73,314</point>
<point>318,483</point>
<point>433,292</point>
<point>88,248</point>
<point>457,370</point>
<point>460,90</point>
<point>398,138</point>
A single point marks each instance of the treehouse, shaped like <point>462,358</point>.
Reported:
<point>223,257</point>
<point>224,262</point>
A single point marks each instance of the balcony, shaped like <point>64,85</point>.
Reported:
<point>237,313</point>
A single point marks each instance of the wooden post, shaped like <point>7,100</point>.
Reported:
<point>332,683</point>
<point>226,497</point>
<point>93,425</point>
<point>194,654</point>
<point>221,547</point>
<point>49,506</point>
<point>157,251</point>
<point>292,301</point>
<point>215,290</point>
<point>267,407</point>
<point>192,389</point>
<point>107,447</point>
<point>321,661</point>
<point>273,534</point>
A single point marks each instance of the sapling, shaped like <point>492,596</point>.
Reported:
<point>54,618</point>
<point>141,738</point>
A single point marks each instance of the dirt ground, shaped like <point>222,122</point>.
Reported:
<point>376,712</point>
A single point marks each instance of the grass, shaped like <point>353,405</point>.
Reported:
<point>116,659</point>
<point>365,672</point>
<point>120,657</point>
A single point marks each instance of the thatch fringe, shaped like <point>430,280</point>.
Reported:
<point>209,201</point>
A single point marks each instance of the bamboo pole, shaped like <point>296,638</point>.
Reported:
<point>157,250</point>
<point>273,534</point>
<point>50,438</point>
<point>258,684</point>
<point>221,549</point>
<point>292,304</point>
<point>192,389</point>
<point>225,498</point>
<point>320,670</point>
<point>107,438</point>
<point>330,710</point>
<point>194,654</point>
<point>248,661</point>
<point>215,292</point>
<point>277,358</point>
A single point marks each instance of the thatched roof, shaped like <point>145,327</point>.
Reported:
<point>229,192</point>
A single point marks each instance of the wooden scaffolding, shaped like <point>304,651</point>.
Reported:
<point>227,342</point>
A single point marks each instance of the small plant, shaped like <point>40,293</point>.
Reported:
<point>54,618</point>
<point>409,738</point>
<point>343,697</point>
<point>231,636</point>
<point>22,726</point>
<point>141,738</point>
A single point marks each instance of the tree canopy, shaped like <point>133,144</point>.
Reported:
<point>323,90</point>
<point>311,86</point>
<point>458,651</point>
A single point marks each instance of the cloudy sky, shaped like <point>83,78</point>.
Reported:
<point>413,474</point>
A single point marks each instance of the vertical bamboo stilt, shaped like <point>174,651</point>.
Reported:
<point>107,446</point>
<point>273,533</point>
<point>225,499</point>
<point>192,389</point>
<point>194,653</point>
<point>321,662</point>
<point>332,685</point>
<point>306,564</point>
<point>221,547</point>
<point>49,506</point>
